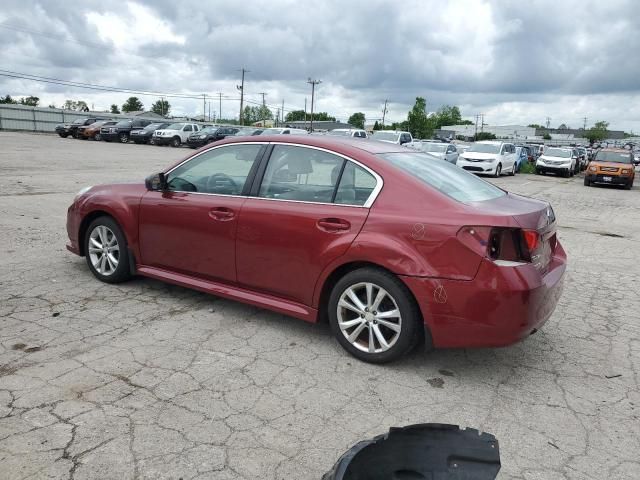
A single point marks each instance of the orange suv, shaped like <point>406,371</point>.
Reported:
<point>612,166</point>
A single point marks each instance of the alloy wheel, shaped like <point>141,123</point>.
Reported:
<point>104,250</point>
<point>369,317</point>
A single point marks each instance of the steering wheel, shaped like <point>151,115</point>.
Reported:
<point>219,179</point>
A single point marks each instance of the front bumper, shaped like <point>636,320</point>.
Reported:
<point>162,140</point>
<point>499,307</point>
<point>73,227</point>
<point>614,179</point>
<point>196,143</point>
<point>545,167</point>
<point>487,168</point>
<point>108,137</point>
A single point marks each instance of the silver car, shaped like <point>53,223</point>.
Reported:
<point>444,151</point>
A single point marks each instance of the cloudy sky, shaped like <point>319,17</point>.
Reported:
<point>516,62</point>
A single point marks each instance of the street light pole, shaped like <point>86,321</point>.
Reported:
<point>313,89</point>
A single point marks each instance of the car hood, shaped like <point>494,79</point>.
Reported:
<point>117,190</point>
<point>167,130</point>
<point>436,154</point>
<point>480,156</point>
<point>554,159</point>
<point>385,141</point>
<point>599,163</point>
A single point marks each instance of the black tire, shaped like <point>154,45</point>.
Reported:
<point>629,185</point>
<point>63,135</point>
<point>122,271</point>
<point>411,327</point>
<point>587,183</point>
<point>538,171</point>
<point>123,138</point>
<point>176,142</point>
<point>97,137</point>
<point>498,171</point>
<point>152,141</point>
<point>512,173</point>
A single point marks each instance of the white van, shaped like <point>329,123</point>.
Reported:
<point>490,158</point>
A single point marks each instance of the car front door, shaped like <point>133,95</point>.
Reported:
<point>308,209</point>
<point>191,227</point>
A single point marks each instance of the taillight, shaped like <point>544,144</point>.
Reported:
<point>496,243</point>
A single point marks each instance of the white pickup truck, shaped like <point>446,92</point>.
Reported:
<point>393,136</point>
<point>175,134</point>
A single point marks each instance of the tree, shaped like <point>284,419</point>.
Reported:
<point>7,99</point>
<point>299,116</point>
<point>133,104</point>
<point>485,136</point>
<point>546,136</point>
<point>357,120</point>
<point>466,122</point>
<point>69,105</point>
<point>114,108</point>
<point>376,125</point>
<point>161,107</point>
<point>562,126</point>
<point>417,120</point>
<point>447,115</point>
<point>598,132</point>
<point>30,101</point>
<point>82,106</point>
<point>535,125</point>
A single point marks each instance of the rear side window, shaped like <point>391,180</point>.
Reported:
<point>303,174</point>
<point>445,177</point>
<point>356,185</point>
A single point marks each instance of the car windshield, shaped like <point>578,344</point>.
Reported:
<point>389,136</point>
<point>445,177</point>
<point>208,130</point>
<point>617,157</point>
<point>272,131</point>
<point>123,123</point>
<point>153,126</point>
<point>434,147</point>
<point>484,148</point>
<point>557,152</point>
<point>339,133</point>
<point>175,126</point>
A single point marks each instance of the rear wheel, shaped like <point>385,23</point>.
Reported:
<point>175,142</point>
<point>498,170</point>
<point>373,316</point>
<point>123,138</point>
<point>105,248</point>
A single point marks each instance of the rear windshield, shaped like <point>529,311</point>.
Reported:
<point>618,157</point>
<point>389,136</point>
<point>124,123</point>
<point>445,177</point>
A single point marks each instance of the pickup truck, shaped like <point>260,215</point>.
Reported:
<point>391,136</point>
<point>121,131</point>
<point>175,134</point>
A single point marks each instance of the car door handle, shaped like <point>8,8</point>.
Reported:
<point>333,224</point>
<point>222,214</point>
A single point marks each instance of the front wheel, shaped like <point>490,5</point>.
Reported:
<point>512,173</point>
<point>105,248</point>
<point>97,137</point>
<point>123,137</point>
<point>587,183</point>
<point>152,141</point>
<point>373,316</point>
<point>498,170</point>
<point>175,142</point>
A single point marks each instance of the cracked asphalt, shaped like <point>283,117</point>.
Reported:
<point>149,381</point>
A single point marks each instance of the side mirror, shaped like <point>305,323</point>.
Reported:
<point>156,182</point>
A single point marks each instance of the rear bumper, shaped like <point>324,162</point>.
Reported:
<point>499,307</point>
<point>615,180</point>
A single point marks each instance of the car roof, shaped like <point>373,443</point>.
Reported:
<point>324,141</point>
<point>615,150</point>
<point>491,142</point>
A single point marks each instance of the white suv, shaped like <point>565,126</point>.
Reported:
<point>390,136</point>
<point>558,160</point>
<point>175,134</point>
<point>490,158</point>
<point>347,132</point>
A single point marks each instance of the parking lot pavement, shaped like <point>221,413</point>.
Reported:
<point>146,380</point>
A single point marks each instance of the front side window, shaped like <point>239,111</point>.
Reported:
<point>221,171</point>
<point>188,128</point>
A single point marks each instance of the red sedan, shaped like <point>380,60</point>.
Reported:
<point>390,245</point>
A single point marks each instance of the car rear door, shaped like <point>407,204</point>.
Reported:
<point>191,227</point>
<point>304,213</point>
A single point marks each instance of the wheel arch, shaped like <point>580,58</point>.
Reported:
<point>90,217</point>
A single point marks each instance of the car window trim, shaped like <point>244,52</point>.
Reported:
<point>250,176</point>
<point>367,204</point>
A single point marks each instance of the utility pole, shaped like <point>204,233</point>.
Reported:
<point>264,110</point>
<point>313,90</point>
<point>204,106</point>
<point>305,113</point>
<point>585,123</point>
<point>277,117</point>
<point>548,121</point>
<point>482,124</point>
<point>241,88</point>
<point>220,105</point>
<point>209,103</point>
<point>282,112</point>
<point>384,112</point>
<point>476,135</point>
